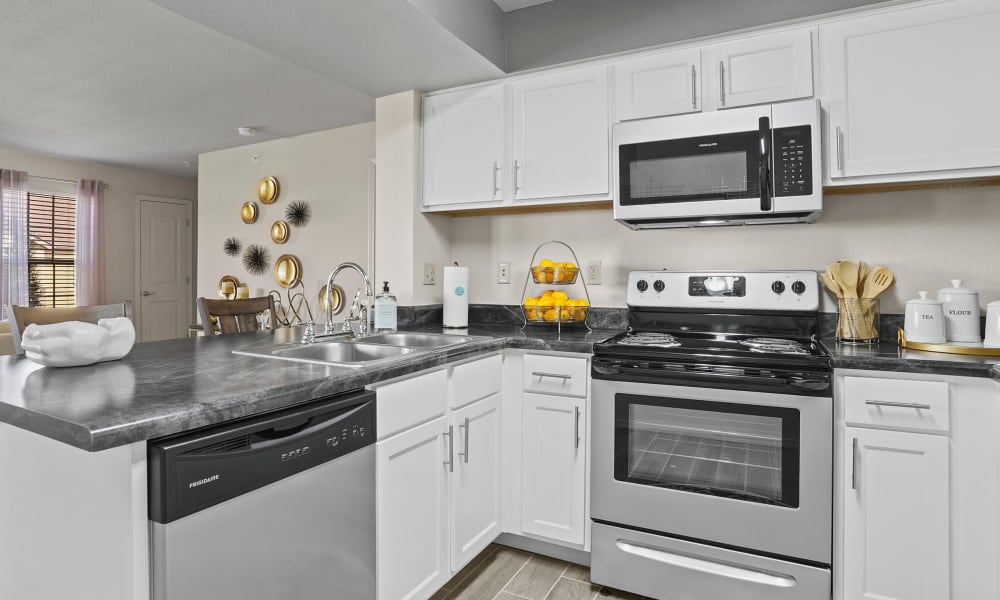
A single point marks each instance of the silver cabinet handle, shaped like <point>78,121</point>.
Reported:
<point>451,449</point>
<point>576,413</point>
<point>517,177</point>
<point>694,83</point>
<point>840,151</point>
<point>556,375</point>
<point>496,170</point>
<point>898,404</point>
<point>465,455</point>
<point>854,464</point>
<point>722,83</point>
<point>147,293</point>
<point>714,569</point>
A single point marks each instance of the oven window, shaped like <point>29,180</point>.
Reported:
<point>739,451</point>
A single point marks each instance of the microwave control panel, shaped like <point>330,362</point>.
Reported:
<point>793,161</point>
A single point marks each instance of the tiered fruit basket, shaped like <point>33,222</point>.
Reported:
<point>556,304</point>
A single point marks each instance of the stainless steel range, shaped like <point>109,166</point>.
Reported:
<point>712,460</point>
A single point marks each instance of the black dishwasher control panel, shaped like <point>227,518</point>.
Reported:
<point>192,471</point>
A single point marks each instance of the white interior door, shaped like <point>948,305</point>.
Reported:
<point>164,269</point>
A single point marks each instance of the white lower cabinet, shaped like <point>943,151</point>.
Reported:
<point>412,512</point>
<point>896,531</point>
<point>554,475</point>
<point>438,491</point>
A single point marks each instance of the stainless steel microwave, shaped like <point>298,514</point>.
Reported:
<point>759,164</point>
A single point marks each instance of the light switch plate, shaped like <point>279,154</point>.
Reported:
<point>503,272</point>
<point>593,272</point>
<point>429,269</point>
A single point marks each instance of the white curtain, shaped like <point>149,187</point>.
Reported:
<point>90,242</point>
<point>13,237</point>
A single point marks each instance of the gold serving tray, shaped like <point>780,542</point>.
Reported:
<point>945,348</point>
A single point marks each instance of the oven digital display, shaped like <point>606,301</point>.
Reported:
<point>718,285</point>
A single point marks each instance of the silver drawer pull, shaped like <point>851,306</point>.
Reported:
<point>576,434</point>
<point>450,463</point>
<point>555,375</point>
<point>898,404</point>
<point>465,455</point>
<point>704,565</point>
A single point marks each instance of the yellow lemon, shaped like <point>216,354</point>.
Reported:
<point>549,315</point>
<point>546,263</point>
<point>547,293</point>
<point>560,295</point>
<point>558,301</point>
<point>546,301</point>
<point>530,301</point>
<point>564,315</point>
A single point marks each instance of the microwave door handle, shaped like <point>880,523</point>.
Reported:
<point>764,168</point>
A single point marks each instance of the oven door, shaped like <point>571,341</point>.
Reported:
<point>742,469</point>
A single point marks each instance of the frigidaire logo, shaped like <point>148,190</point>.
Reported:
<point>708,145</point>
<point>195,484</point>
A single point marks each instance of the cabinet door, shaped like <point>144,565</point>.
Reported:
<point>463,146</point>
<point>475,483</point>
<point>767,68</point>
<point>412,512</point>
<point>912,90</point>
<point>554,484</point>
<point>560,134</point>
<point>896,532</point>
<point>658,85</point>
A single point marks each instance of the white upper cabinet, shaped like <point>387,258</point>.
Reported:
<point>667,83</point>
<point>463,146</point>
<point>560,135</point>
<point>913,91</point>
<point>762,69</point>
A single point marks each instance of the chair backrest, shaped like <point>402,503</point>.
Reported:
<point>235,316</point>
<point>22,316</point>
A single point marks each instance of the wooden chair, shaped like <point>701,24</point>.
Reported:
<point>22,316</point>
<point>235,316</point>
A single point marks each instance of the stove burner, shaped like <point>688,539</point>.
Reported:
<point>658,340</point>
<point>774,346</point>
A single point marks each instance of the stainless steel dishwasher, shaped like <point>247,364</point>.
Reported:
<point>276,506</point>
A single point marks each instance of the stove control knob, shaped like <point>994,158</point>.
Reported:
<point>798,287</point>
<point>658,285</point>
<point>642,286</point>
<point>777,287</point>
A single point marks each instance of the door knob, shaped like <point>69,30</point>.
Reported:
<point>147,293</point>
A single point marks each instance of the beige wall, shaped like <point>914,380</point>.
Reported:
<point>329,170</point>
<point>120,198</point>
<point>925,237</point>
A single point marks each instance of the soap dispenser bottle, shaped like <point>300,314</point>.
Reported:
<point>385,311</point>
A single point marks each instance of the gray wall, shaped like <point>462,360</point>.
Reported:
<point>568,30</point>
<point>478,23</point>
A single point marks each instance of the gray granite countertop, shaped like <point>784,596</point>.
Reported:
<point>162,388</point>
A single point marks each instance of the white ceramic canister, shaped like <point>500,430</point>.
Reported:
<point>992,325</point>
<point>924,320</point>
<point>961,313</point>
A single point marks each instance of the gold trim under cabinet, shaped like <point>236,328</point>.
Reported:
<point>945,348</point>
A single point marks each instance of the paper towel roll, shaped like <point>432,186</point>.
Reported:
<point>456,297</point>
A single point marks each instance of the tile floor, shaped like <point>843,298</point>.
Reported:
<point>502,573</point>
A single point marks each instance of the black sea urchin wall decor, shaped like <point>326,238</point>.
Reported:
<point>256,259</point>
<point>231,246</point>
<point>298,213</point>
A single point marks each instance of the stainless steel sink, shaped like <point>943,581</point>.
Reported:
<point>417,340</point>
<point>341,354</point>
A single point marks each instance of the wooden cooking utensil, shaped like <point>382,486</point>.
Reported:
<point>830,283</point>
<point>847,277</point>
<point>878,281</point>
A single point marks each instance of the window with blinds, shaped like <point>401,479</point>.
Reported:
<point>51,249</point>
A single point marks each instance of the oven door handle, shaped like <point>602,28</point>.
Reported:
<point>693,563</point>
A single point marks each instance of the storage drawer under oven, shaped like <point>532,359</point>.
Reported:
<point>667,568</point>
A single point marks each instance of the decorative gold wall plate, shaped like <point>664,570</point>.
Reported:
<point>228,293</point>
<point>338,299</point>
<point>287,270</point>
<point>279,232</point>
<point>249,212</point>
<point>268,190</point>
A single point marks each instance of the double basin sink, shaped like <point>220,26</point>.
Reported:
<point>366,351</point>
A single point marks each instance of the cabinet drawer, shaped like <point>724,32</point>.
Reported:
<point>896,403</point>
<point>407,403</point>
<point>555,375</point>
<point>475,380</point>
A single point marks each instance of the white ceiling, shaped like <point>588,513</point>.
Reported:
<point>152,84</point>
<point>509,5</point>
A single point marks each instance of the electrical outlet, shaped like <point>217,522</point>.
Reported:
<point>429,269</point>
<point>593,273</point>
<point>503,272</point>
